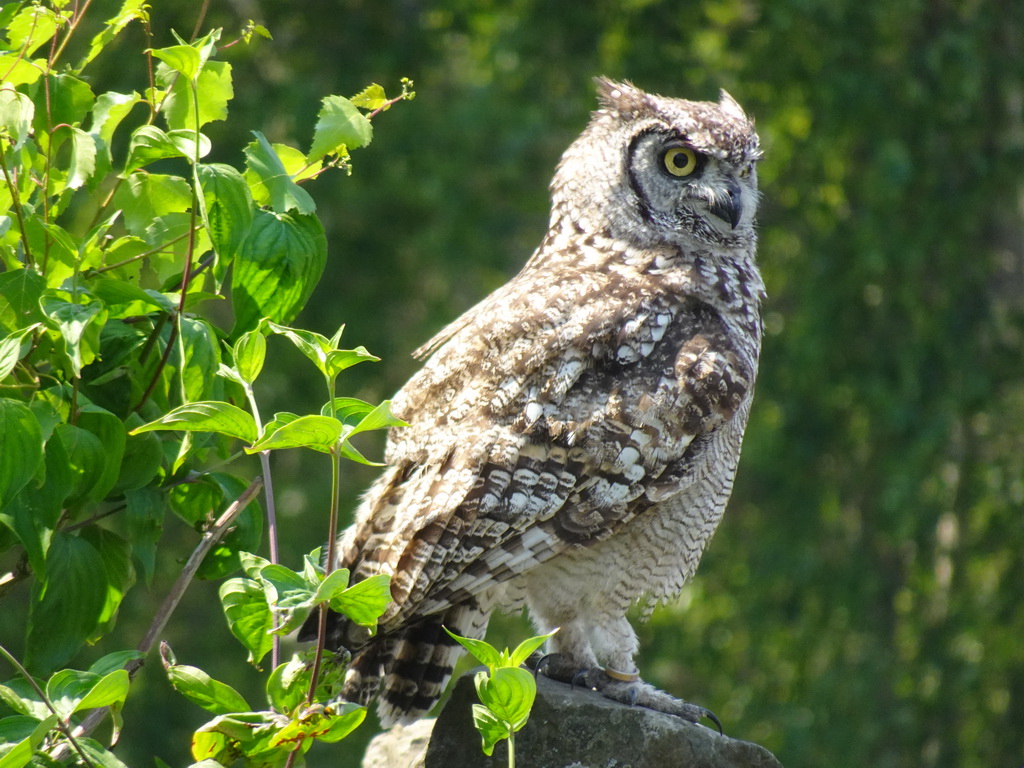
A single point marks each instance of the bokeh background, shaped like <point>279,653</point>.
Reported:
<point>861,604</point>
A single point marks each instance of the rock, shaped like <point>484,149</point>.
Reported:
<point>404,746</point>
<point>568,728</point>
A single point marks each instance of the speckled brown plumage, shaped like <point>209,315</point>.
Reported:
<point>573,438</point>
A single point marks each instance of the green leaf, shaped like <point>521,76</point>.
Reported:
<point>340,127</point>
<point>321,433</point>
<point>348,410</point>
<point>484,652</point>
<point>343,719</point>
<point>20,291</point>
<point>21,445</point>
<point>277,269</point>
<point>20,754</point>
<point>31,28</point>
<point>12,349</point>
<point>141,461</point>
<point>201,689</point>
<point>372,97</point>
<point>366,601</point>
<point>114,661</point>
<point>145,196</point>
<point>288,685</point>
<point>214,92</point>
<point>33,513</point>
<point>144,519</point>
<point>70,101</point>
<point>117,559</point>
<point>332,586</point>
<point>87,462</point>
<point>149,144</point>
<point>98,755</point>
<point>525,648</point>
<point>79,324</point>
<point>83,159</point>
<point>508,692</point>
<point>210,416</point>
<point>183,59</point>
<point>379,418</point>
<point>130,10</point>
<point>64,612</point>
<point>340,359</point>
<point>313,345</point>
<point>491,728</point>
<point>289,595</point>
<point>72,691</point>
<point>16,113</point>
<point>249,353</point>
<point>229,209</point>
<point>110,690</point>
<point>266,169</point>
<point>109,430</point>
<point>201,358</point>
<point>248,615</point>
<point>107,114</point>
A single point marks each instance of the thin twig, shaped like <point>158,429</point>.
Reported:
<point>61,725</point>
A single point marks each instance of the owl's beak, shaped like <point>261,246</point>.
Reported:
<point>728,207</point>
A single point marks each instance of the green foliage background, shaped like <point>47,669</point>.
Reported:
<point>861,603</point>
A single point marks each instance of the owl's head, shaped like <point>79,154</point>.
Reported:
<point>654,169</point>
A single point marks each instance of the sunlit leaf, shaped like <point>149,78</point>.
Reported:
<point>277,268</point>
<point>365,601</point>
<point>266,169</point>
<point>248,615</point>
<point>211,416</point>
<point>321,433</point>
<point>340,126</point>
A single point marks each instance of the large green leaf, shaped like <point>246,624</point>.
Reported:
<point>33,513</point>
<point>109,430</point>
<point>508,692</point>
<point>64,611</point>
<point>21,446</point>
<point>229,208</point>
<point>202,358</point>
<point>277,268</point>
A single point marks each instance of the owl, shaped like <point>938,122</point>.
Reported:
<point>573,437</point>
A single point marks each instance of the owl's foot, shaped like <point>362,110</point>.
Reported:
<point>621,688</point>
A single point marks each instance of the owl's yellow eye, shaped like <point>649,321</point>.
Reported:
<point>680,161</point>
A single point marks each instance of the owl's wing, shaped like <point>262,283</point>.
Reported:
<point>591,412</point>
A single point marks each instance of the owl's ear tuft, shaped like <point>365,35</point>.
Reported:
<point>730,106</point>
<point>621,97</point>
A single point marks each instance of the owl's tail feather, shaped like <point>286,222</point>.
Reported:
<point>415,663</point>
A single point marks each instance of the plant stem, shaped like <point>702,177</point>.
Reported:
<point>512,750</point>
<point>61,725</point>
<point>15,198</point>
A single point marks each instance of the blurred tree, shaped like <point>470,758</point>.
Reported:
<point>859,605</point>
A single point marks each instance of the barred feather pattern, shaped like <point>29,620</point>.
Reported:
<point>574,437</point>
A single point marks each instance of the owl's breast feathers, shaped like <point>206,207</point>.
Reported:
<point>549,416</point>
